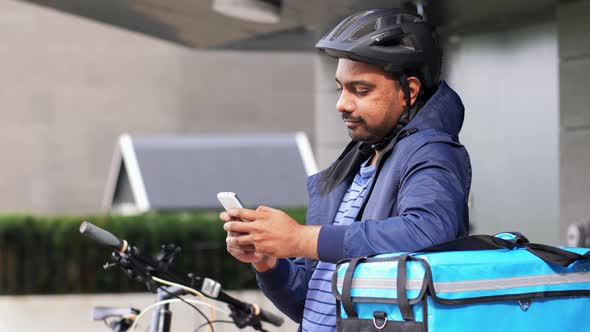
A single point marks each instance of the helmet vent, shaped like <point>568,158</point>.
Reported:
<point>364,30</point>
<point>390,43</point>
<point>347,23</point>
<point>403,44</point>
<point>409,42</point>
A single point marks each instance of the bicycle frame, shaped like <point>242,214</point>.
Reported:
<point>162,315</point>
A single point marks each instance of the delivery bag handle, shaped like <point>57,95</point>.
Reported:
<point>509,240</point>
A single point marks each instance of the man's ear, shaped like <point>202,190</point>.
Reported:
<point>415,87</point>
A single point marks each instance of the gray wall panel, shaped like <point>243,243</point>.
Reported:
<point>511,127</point>
<point>575,176</point>
<point>575,99</point>
<point>574,39</point>
<point>575,112</point>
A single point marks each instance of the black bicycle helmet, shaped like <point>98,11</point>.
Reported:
<point>398,40</point>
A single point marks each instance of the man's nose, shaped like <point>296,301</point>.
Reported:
<point>344,104</point>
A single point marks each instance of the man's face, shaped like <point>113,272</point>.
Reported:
<point>371,102</point>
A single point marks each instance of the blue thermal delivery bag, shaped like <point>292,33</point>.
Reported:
<point>477,283</point>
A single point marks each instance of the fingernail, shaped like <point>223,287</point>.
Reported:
<point>226,226</point>
<point>233,212</point>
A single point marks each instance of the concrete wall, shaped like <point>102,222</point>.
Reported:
<point>72,313</point>
<point>508,81</point>
<point>574,134</point>
<point>69,86</point>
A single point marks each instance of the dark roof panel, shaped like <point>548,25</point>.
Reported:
<point>187,172</point>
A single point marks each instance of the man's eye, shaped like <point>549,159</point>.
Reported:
<point>362,92</point>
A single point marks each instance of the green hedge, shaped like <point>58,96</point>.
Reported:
<point>47,255</point>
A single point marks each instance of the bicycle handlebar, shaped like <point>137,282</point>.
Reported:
<point>271,318</point>
<point>101,236</point>
<point>109,240</point>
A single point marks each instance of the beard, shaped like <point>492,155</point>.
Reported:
<point>361,132</point>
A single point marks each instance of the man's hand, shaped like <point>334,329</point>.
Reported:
<point>271,232</point>
<point>246,253</point>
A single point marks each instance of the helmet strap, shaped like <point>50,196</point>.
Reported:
<point>405,85</point>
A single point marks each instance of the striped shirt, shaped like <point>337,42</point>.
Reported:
<point>319,313</point>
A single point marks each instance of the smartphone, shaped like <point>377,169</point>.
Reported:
<point>230,201</point>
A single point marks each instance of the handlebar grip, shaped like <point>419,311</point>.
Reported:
<point>271,318</point>
<point>101,236</point>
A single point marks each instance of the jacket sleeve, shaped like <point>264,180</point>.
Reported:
<point>286,286</point>
<point>431,208</point>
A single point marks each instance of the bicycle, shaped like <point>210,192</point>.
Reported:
<point>169,286</point>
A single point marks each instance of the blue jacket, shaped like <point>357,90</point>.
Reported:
<point>418,198</point>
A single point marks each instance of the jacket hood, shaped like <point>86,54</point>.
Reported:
<point>443,111</point>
